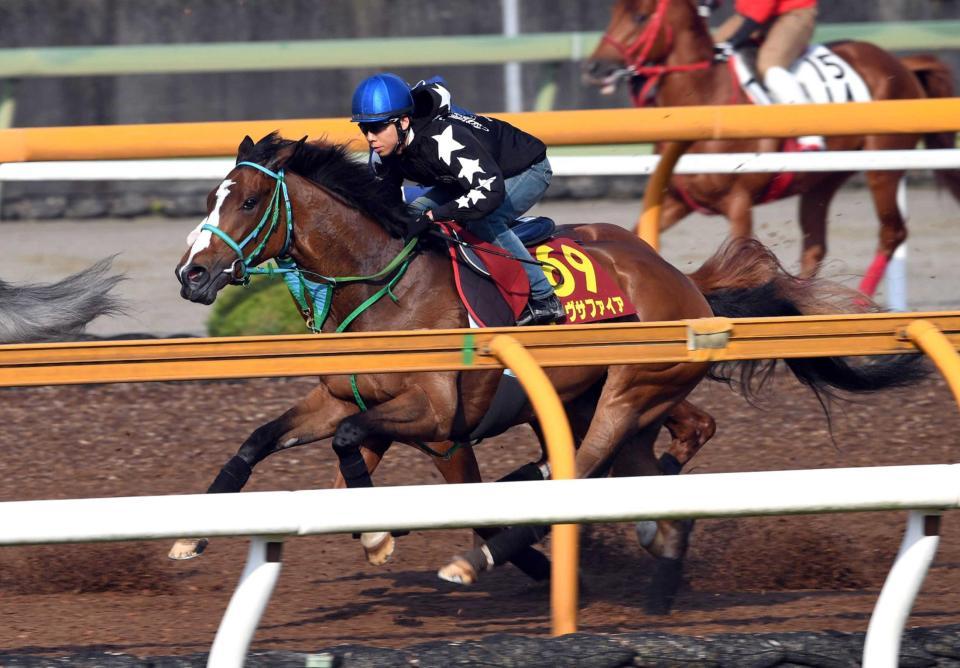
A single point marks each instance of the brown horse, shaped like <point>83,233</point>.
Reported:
<point>667,42</point>
<point>341,223</point>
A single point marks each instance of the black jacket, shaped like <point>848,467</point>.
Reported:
<point>470,153</point>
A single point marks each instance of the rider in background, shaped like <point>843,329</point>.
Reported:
<point>786,27</point>
<point>483,172</point>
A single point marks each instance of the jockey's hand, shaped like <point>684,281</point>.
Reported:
<point>722,52</point>
<point>418,226</point>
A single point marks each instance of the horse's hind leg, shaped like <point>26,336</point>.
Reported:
<point>311,419</point>
<point>665,540</point>
<point>690,428</point>
<point>814,206</point>
<point>632,399</point>
<point>893,228</point>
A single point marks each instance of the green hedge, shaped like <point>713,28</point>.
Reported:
<point>263,307</point>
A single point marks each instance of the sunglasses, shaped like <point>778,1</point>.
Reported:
<point>377,127</point>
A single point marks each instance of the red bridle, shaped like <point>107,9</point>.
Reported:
<point>635,54</point>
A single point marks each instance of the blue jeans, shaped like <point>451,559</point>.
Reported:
<point>522,192</point>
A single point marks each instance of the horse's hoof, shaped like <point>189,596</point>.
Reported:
<point>458,571</point>
<point>378,546</point>
<point>667,578</point>
<point>188,548</point>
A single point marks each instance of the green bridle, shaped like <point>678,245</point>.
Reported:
<point>303,289</point>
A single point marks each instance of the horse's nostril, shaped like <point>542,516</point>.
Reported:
<point>195,274</point>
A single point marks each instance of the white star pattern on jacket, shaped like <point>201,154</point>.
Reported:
<point>469,168</point>
<point>471,197</point>
<point>485,183</point>
<point>444,95</point>
<point>446,144</point>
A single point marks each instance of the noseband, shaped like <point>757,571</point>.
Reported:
<point>637,52</point>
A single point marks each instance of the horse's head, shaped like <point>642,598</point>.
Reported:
<point>641,34</point>
<point>248,221</point>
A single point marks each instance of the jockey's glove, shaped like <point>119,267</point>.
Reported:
<point>417,226</point>
<point>722,52</point>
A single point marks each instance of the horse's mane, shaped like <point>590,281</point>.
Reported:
<point>331,166</point>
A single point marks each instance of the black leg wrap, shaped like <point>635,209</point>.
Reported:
<point>232,477</point>
<point>529,471</point>
<point>669,464</point>
<point>511,541</point>
<point>532,562</point>
<point>477,559</point>
<point>346,443</point>
<point>667,578</point>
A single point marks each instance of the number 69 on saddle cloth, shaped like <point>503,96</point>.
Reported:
<point>494,288</point>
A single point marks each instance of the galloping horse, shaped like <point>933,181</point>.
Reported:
<point>668,43</point>
<point>340,223</point>
<point>36,313</point>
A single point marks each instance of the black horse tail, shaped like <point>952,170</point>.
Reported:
<point>33,313</point>
<point>745,279</point>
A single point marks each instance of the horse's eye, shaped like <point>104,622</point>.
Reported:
<point>249,203</point>
<point>639,18</point>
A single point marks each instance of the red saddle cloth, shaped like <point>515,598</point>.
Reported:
<point>494,289</point>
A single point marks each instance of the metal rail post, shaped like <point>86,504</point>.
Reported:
<point>247,604</point>
<point>556,432</point>
<point>881,648</point>
<point>648,227</point>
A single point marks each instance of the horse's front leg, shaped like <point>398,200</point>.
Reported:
<point>311,419</point>
<point>409,416</point>
<point>378,546</point>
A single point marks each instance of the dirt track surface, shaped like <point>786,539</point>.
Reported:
<point>744,575</point>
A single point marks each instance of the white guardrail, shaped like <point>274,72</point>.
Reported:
<point>563,165</point>
<point>271,516</point>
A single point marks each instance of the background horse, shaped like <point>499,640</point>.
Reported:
<point>668,42</point>
<point>341,223</point>
<point>57,311</point>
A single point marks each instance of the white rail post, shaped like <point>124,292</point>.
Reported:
<point>247,604</point>
<point>881,648</point>
<point>897,271</point>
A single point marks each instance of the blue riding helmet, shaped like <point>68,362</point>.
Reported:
<point>381,97</point>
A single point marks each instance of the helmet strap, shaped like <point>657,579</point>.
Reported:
<point>401,133</point>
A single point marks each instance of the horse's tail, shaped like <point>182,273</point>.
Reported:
<point>57,311</point>
<point>745,279</point>
<point>937,81</point>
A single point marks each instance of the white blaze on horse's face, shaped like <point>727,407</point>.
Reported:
<point>199,239</point>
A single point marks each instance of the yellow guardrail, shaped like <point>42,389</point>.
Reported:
<point>463,349</point>
<point>555,128</point>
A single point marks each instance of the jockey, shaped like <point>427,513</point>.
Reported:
<point>787,26</point>
<point>483,172</point>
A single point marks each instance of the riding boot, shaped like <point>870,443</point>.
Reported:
<point>542,311</point>
<point>785,89</point>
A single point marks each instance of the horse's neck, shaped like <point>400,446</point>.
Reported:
<point>710,86</point>
<point>335,240</point>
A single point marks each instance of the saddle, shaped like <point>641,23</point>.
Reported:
<point>825,76</point>
<point>494,289</point>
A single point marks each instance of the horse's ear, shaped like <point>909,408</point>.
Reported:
<point>244,149</point>
<point>285,154</point>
